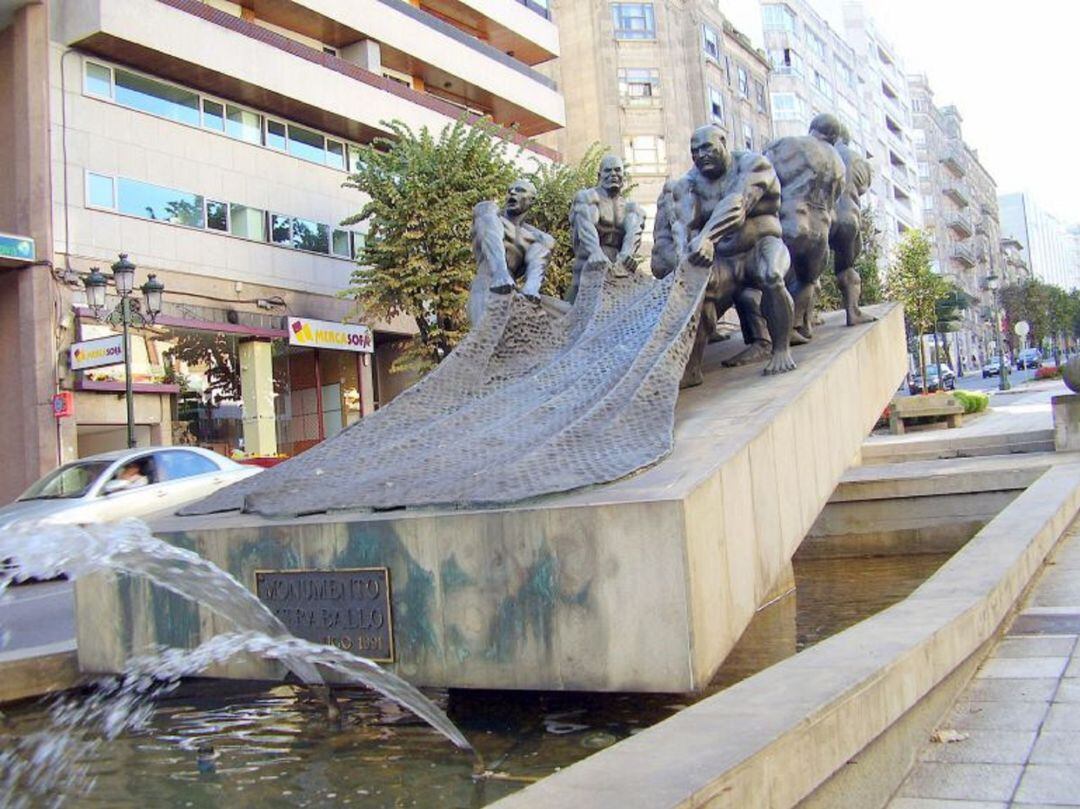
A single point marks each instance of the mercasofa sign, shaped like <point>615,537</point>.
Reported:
<point>97,353</point>
<point>303,331</point>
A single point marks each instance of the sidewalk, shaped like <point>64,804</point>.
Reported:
<point>1013,737</point>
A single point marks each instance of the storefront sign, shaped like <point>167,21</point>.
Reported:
<point>16,248</point>
<point>63,404</point>
<point>348,608</point>
<point>304,331</point>
<point>96,353</point>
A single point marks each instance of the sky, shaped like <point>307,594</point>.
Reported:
<point>1011,68</point>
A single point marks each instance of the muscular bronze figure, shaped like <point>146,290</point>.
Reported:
<point>726,217</point>
<point>845,237</point>
<point>811,176</point>
<point>507,249</point>
<point>605,226</point>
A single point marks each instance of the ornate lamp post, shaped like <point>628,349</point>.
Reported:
<point>126,314</point>
<point>992,282</point>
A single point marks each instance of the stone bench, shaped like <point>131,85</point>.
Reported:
<point>934,406</point>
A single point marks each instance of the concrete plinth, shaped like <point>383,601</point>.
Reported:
<point>640,585</point>
<point>1066,422</point>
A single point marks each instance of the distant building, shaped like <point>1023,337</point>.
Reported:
<point>1047,246</point>
<point>1015,269</point>
<point>640,77</point>
<point>854,75</point>
<point>960,210</point>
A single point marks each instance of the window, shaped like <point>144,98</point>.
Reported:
<point>778,17</point>
<point>98,80</point>
<point>275,135</point>
<point>155,97</point>
<point>99,191</point>
<point>340,244</point>
<point>281,230</point>
<point>159,203</point>
<point>306,145</point>
<point>243,124</point>
<point>645,153</point>
<point>710,42</point>
<point>309,235</point>
<point>213,115</point>
<point>744,82</point>
<point>823,86</point>
<point>748,137</point>
<point>247,223</point>
<point>633,20</point>
<point>759,95</point>
<point>639,84</point>
<point>217,216</point>
<point>817,45</point>
<point>716,106</point>
<point>354,158</point>
<point>847,76</point>
<point>183,464</point>
<point>786,107</point>
<point>335,154</point>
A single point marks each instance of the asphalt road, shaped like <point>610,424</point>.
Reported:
<point>37,614</point>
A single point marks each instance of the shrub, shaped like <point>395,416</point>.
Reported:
<point>1047,372</point>
<point>972,402</point>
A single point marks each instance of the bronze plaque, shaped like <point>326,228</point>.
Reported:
<point>348,608</point>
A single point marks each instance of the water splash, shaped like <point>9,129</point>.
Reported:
<point>129,547</point>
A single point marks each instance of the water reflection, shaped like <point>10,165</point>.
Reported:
<point>239,745</point>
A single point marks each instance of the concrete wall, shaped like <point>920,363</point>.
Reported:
<point>28,430</point>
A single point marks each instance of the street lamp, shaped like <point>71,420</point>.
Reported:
<point>126,314</point>
<point>992,282</point>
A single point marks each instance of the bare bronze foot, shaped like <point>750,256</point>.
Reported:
<point>691,379</point>
<point>755,352</point>
<point>719,336</point>
<point>780,363</point>
<point>858,317</point>
<point>797,338</point>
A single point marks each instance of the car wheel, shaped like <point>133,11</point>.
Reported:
<point>986,375</point>
<point>950,385</point>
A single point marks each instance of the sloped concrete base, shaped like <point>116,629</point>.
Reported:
<point>640,585</point>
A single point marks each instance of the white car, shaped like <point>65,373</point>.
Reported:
<point>124,483</point>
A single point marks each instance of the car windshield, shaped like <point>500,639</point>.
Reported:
<point>71,480</point>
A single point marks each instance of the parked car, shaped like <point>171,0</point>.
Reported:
<point>1029,358</point>
<point>992,367</point>
<point>125,483</point>
<point>940,377</point>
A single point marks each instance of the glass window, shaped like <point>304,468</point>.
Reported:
<point>99,191</point>
<point>280,230</point>
<point>639,83</point>
<point>646,153</point>
<point>309,235</point>
<point>275,135</point>
<point>748,137</point>
<point>98,80</point>
<point>633,20</point>
<point>305,144</point>
<point>759,95</point>
<point>778,16</point>
<point>359,241</point>
<point>243,124</point>
<point>335,154</point>
<point>183,464</point>
<point>72,480</point>
<point>744,83</point>
<point>248,223</point>
<point>217,216</point>
<point>158,203</point>
<point>710,41</point>
<point>716,106</point>
<point>213,115</point>
<point>354,158</point>
<point>341,243</point>
<point>157,98</point>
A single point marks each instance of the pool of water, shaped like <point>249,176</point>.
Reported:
<point>217,744</point>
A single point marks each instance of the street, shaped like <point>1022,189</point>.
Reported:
<point>37,615</point>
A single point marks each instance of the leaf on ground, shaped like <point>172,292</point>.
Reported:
<point>947,736</point>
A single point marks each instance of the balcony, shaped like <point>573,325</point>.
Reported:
<point>957,193</point>
<point>955,161</point>
<point>963,255</point>
<point>960,225</point>
<point>195,44</point>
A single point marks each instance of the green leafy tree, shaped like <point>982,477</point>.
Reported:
<point>949,312</point>
<point>556,184</point>
<point>417,258</point>
<point>911,281</point>
<point>1031,300</point>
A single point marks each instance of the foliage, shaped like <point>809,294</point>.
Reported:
<point>556,184</point>
<point>972,401</point>
<point>911,281</point>
<point>1048,372</point>
<point>417,258</point>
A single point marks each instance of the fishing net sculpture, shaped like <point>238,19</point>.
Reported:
<point>542,396</point>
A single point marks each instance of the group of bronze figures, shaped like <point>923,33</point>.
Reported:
<point>762,223</point>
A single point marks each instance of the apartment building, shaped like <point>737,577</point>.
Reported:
<point>854,74</point>
<point>960,211</point>
<point>209,141</point>
<point>1046,245</point>
<point>640,77</point>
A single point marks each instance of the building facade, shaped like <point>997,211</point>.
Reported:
<point>209,141</point>
<point>638,78</point>
<point>855,75</point>
<point>960,213</point>
<point>1046,245</point>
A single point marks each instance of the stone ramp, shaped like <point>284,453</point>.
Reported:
<point>644,584</point>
